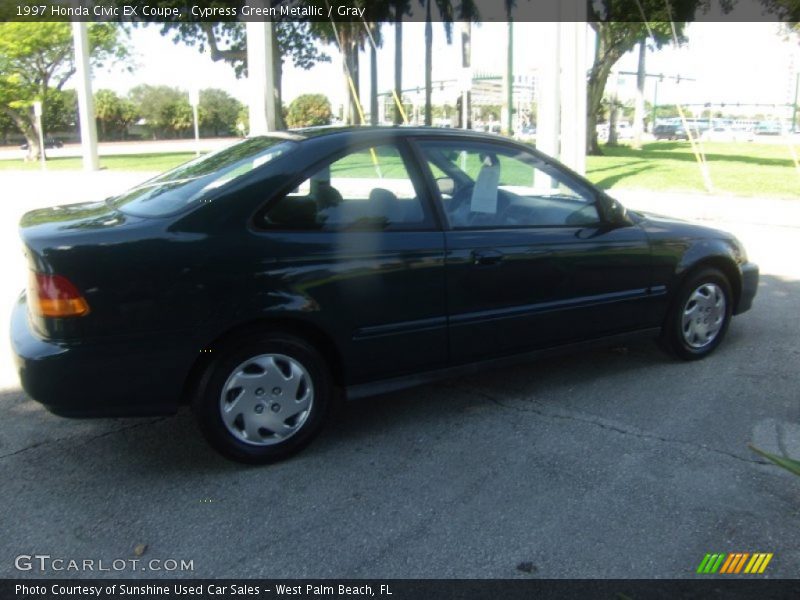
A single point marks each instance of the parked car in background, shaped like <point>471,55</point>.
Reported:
<point>768,128</point>
<point>727,134</point>
<point>261,283</point>
<point>669,132</point>
<point>49,143</point>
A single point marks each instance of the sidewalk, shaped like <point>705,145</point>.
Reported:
<point>128,147</point>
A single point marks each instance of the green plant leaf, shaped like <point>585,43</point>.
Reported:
<point>791,465</point>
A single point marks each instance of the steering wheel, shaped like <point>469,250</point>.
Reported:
<point>457,208</point>
<point>461,195</point>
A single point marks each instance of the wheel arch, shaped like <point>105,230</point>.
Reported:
<point>309,332</point>
<point>724,264</point>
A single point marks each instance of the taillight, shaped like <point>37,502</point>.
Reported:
<point>55,296</point>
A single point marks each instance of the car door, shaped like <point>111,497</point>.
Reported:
<point>355,245</point>
<point>532,260</point>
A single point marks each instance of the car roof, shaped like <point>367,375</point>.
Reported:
<point>405,130</point>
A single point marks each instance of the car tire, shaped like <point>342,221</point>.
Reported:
<point>264,398</point>
<point>699,315</point>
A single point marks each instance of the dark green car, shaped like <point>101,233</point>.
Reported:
<point>263,282</point>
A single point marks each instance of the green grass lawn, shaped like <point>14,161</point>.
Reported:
<point>744,169</point>
<point>121,162</point>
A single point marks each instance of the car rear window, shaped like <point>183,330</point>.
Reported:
<point>195,181</point>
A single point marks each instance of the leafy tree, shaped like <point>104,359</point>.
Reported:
<point>166,110</point>
<point>309,110</point>
<point>38,57</point>
<point>218,111</point>
<point>442,111</point>
<point>227,41</point>
<point>617,37</point>
<point>6,127</point>
<point>61,111</point>
<point>489,112</point>
<point>114,114</point>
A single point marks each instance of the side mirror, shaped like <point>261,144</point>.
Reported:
<point>616,214</point>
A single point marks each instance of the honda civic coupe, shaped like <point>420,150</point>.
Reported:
<point>262,283</point>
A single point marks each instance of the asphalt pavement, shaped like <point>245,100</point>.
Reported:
<point>619,462</point>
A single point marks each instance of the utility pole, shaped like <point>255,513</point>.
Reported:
<point>660,77</point>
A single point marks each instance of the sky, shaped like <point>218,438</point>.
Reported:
<point>730,63</point>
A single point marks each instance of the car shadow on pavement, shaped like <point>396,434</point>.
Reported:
<point>173,444</point>
<point>493,389</point>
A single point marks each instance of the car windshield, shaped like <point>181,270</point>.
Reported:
<point>195,181</point>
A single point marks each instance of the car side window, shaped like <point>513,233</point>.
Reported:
<point>368,189</point>
<point>483,185</point>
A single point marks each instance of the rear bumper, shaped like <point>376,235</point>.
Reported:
<point>749,288</point>
<point>99,379</point>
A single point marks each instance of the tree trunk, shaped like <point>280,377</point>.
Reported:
<point>354,72</point>
<point>466,64</point>
<point>28,128</point>
<point>638,113</point>
<point>612,120</point>
<point>598,77</point>
<point>398,63</point>
<point>350,68</point>
<point>277,76</point>
<point>428,63</point>
<point>373,85</point>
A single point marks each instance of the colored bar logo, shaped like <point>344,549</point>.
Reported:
<point>734,563</point>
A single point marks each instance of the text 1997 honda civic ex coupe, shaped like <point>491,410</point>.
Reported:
<point>259,282</point>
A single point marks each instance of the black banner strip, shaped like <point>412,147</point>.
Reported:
<point>718,588</point>
<point>356,11</point>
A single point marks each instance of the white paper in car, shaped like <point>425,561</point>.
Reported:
<point>484,194</point>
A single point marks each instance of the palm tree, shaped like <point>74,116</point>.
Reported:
<point>373,74</point>
<point>401,8</point>
<point>445,10</point>
<point>349,36</point>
